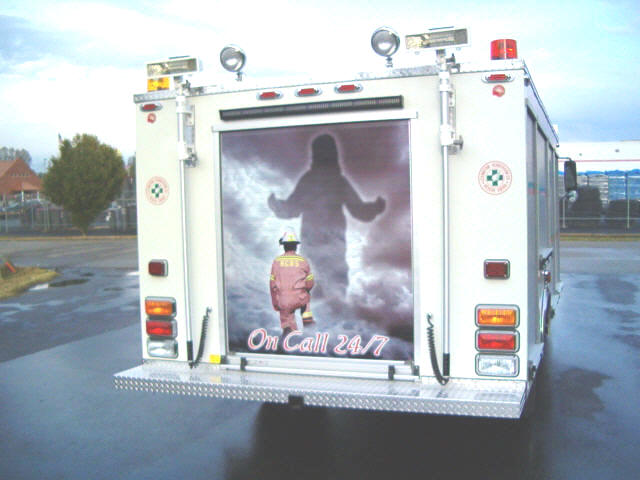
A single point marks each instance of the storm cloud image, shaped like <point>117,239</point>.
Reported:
<point>345,189</point>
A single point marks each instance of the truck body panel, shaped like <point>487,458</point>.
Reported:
<point>214,226</point>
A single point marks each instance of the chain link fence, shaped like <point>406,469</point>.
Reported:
<point>30,214</point>
<point>607,202</point>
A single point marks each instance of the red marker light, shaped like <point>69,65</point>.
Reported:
<point>349,88</point>
<point>160,328</point>
<point>158,268</point>
<point>150,107</point>
<point>504,49</point>
<point>269,95</point>
<point>308,92</point>
<point>496,341</point>
<point>496,269</point>
<point>498,78</point>
<point>498,91</point>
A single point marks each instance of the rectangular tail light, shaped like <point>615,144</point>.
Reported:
<point>158,268</point>
<point>160,307</point>
<point>161,328</point>
<point>496,269</point>
<point>162,348</point>
<point>497,316</point>
<point>497,341</point>
<point>497,365</point>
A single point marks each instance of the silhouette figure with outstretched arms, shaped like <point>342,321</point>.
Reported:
<point>318,198</point>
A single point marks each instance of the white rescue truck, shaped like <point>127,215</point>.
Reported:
<point>420,266</point>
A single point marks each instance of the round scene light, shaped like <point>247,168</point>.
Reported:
<point>232,58</point>
<point>385,41</point>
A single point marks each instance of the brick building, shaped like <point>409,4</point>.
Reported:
<point>17,178</point>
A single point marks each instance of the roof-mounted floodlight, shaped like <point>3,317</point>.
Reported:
<point>173,67</point>
<point>385,42</point>
<point>438,38</point>
<point>233,59</point>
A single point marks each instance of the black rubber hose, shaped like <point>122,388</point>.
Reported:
<point>203,338</point>
<point>432,352</point>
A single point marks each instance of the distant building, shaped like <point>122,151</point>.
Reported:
<point>16,177</point>
<point>603,156</point>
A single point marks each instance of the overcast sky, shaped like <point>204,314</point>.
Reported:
<point>72,67</point>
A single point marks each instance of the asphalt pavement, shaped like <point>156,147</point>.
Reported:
<point>60,416</point>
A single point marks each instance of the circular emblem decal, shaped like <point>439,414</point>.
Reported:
<point>498,90</point>
<point>495,178</point>
<point>157,190</point>
<point>151,118</point>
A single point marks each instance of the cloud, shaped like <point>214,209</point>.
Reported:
<point>22,42</point>
<point>50,96</point>
<point>572,58</point>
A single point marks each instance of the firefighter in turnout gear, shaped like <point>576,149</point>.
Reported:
<point>290,283</point>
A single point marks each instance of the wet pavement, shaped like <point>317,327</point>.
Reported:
<point>95,252</point>
<point>61,418</point>
<point>80,303</point>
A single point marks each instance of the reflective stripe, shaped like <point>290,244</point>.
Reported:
<point>309,277</point>
<point>307,315</point>
<point>273,277</point>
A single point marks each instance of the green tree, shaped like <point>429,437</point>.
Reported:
<point>84,178</point>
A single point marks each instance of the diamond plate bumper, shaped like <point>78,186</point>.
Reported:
<point>484,398</point>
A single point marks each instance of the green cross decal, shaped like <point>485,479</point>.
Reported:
<point>157,190</point>
<point>495,178</point>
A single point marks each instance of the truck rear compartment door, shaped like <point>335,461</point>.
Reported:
<point>343,189</point>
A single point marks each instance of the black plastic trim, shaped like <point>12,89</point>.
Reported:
<point>355,105</point>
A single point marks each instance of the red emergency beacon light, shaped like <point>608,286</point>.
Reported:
<point>503,49</point>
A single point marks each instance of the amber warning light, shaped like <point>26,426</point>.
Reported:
<point>160,307</point>
<point>487,316</point>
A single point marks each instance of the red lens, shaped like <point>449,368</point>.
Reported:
<point>496,341</point>
<point>349,88</point>
<point>503,49</point>
<point>496,269</point>
<point>269,95</point>
<point>158,328</point>
<point>308,91</point>
<point>498,77</point>
<point>158,268</point>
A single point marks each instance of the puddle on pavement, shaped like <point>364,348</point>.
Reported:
<point>624,316</point>
<point>632,339</point>
<point>617,291</point>
<point>66,283</point>
<point>576,392</point>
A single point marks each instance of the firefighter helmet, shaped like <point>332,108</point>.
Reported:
<point>289,236</point>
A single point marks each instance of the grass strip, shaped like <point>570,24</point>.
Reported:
<point>599,237</point>
<point>12,284</point>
